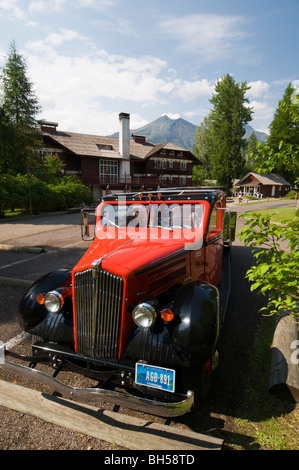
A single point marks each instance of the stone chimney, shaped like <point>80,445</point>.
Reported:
<point>47,126</point>
<point>124,145</point>
<point>124,135</point>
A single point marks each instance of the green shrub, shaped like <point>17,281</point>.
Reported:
<point>275,274</point>
<point>69,192</point>
<point>15,191</point>
<point>291,194</point>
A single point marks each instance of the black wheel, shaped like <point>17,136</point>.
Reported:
<point>198,380</point>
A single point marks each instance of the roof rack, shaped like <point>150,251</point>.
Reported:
<point>169,193</point>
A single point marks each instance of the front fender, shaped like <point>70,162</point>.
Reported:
<point>195,336</point>
<point>31,313</point>
<point>189,339</point>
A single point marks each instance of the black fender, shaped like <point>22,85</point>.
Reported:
<point>189,339</point>
<point>33,317</point>
<point>195,335</point>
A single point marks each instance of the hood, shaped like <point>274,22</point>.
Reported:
<point>128,254</point>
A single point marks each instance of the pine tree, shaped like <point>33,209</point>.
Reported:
<point>284,135</point>
<point>251,150</point>
<point>282,126</point>
<point>204,147</point>
<point>228,119</point>
<point>20,102</point>
<point>20,106</point>
<point>7,137</point>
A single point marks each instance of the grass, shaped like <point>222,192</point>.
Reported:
<point>277,215</point>
<point>14,214</point>
<point>271,422</point>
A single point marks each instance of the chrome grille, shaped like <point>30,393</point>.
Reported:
<point>98,300</point>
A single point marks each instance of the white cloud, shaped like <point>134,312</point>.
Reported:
<point>16,10</point>
<point>258,89</point>
<point>75,87</point>
<point>56,39</point>
<point>262,108</point>
<point>96,4</point>
<point>116,25</point>
<point>11,10</point>
<point>263,115</point>
<point>85,89</point>
<point>172,116</point>
<point>39,6</point>
<point>189,91</point>
<point>213,37</point>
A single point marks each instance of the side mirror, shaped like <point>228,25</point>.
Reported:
<point>229,226</point>
<point>87,232</point>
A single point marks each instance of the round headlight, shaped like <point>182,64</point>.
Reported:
<point>53,301</point>
<point>144,315</point>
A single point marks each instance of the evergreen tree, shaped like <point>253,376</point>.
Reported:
<point>284,136</point>
<point>282,126</point>
<point>20,102</point>
<point>204,147</point>
<point>276,246</point>
<point>7,136</point>
<point>251,147</point>
<point>250,153</point>
<point>228,119</point>
<point>20,106</point>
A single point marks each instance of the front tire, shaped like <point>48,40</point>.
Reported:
<point>198,380</point>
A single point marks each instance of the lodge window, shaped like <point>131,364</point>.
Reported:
<point>183,165</point>
<point>50,152</point>
<point>104,147</point>
<point>108,168</point>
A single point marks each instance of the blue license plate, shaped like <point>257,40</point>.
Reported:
<point>156,377</point>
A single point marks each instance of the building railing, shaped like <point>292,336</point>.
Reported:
<point>138,182</point>
<point>112,180</point>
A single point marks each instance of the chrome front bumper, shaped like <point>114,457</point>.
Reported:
<point>99,395</point>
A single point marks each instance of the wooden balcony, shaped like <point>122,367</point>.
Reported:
<point>136,182</point>
<point>114,182</point>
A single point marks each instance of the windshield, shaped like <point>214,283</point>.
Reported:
<point>168,216</point>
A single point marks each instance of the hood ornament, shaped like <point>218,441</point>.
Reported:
<point>97,262</point>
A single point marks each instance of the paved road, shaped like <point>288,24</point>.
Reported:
<point>60,236</point>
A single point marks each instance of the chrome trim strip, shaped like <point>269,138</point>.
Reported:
<point>100,395</point>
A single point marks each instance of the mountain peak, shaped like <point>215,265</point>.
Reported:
<point>165,129</point>
<point>178,131</point>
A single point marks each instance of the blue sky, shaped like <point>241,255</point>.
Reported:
<point>89,60</point>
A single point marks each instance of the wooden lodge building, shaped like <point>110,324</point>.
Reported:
<point>108,164</point>
<point>267,185</point>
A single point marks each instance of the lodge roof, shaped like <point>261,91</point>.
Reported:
<point>265,179</point>
<point>107,147</point>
